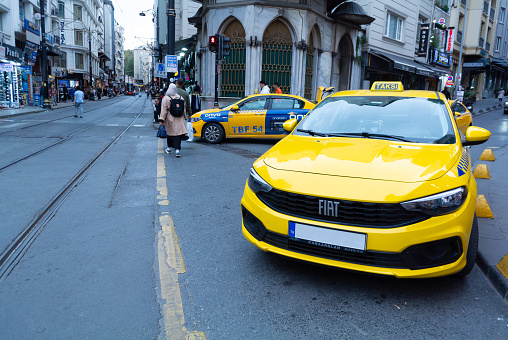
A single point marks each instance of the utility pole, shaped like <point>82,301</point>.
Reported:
<point>459,66</point>
<point>44,65</point>
<point>90,58</point>
<point>171,13</point>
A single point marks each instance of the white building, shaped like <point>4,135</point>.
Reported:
<point>142,65</point>
<point>119,53</point>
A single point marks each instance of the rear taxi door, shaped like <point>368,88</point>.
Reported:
<point>249,119</point>
<point>281,109</point>
<point>464,119</point>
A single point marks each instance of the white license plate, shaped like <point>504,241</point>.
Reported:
<point>330,238</point>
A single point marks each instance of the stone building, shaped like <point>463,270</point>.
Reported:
<point>301,44</point>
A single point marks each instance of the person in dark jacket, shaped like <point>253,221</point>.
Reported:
<point>446,93</point>
<point>156,110</point>
<point>195,100</point>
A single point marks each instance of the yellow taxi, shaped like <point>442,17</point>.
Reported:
<point>377,181</point>
<point>463,116</point>
<point>255,116</point>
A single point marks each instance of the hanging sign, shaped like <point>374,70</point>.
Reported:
<point>450,39</point>
<point>424,40</point>
<point>160,70</point>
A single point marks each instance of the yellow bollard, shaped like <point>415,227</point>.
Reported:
<point>487,155</point>
<point>481,171</point>
<point>503,266</point>
<point>482,207</point>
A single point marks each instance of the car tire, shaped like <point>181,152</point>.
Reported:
<point>472,250</point>
<point>213,133</point>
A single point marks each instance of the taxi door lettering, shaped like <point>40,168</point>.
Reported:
<point>297,117</point>
<point>257,128</point>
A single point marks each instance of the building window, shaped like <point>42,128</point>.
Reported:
<point>498,44</point>
<point>501,15</point>
<point>61,9</point>
<point>393,27</point>
<point>78,38</point>
<point>61,60</point>
<point>79,61</point>
<point>78,12</point>
<point>21,11</point>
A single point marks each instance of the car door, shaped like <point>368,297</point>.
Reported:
<point>281,109</point>
<point>248,120</point>
<point>462,116</point>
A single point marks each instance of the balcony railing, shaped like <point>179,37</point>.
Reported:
<point>487,46</point>
<point>485,7</point>
<point>492,14</point>
<point>480,42</point>
<point>459,36</point>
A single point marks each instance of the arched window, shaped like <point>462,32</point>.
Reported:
<point>233,66</point>
<point>277,56</point>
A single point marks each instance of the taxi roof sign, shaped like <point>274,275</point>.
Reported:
<point>387,86</point>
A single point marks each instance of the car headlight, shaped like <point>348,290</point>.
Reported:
<point>439,204</point>
<point>195,119</point>
<point>256,183</point>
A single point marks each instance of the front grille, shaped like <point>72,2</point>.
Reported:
<point>368,258</point>
<point>362,214</point>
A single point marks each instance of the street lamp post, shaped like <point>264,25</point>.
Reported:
<point>46,101</point>
<point>90,59</point>
<point>171,13</point>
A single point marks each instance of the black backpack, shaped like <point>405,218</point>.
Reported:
<point>176,107</point>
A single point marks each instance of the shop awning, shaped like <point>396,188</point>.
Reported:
<point>51,51</point>
<point>404,64</point>
<point>102,55</point>
<point>439,72</point>
<point>479,63</point>
<point>500,63</point>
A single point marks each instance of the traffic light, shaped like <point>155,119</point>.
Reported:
<point>225,46</point>
<point>213,43</point>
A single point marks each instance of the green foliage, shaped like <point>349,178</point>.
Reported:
<point>434,40</point>
<point>129,62</point>
<point>360,40</point>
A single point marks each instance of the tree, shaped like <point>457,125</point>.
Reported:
<point>129,63</point>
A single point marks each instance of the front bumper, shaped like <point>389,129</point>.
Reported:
<point>389,251</point>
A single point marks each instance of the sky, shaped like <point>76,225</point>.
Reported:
<point>127,15</point>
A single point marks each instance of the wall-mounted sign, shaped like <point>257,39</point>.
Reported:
<point>31,27</point>
<point>13,53</point>
<point>450,40</point>
<point>424,40</point>
<point>441,58</point>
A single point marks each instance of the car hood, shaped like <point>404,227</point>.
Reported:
<point>363,158</point>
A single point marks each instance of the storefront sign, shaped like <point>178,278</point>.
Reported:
<point>31,27</point>
<point>2,52</point>
<point>441,58</point>
<point>471,65</point>
<point>6,67</point>
<point>34,38</point>
<point>13,53</point>
<point>50,38</point>
<point>450,40</point>
<point>31,52</point>
<point>424,40</point>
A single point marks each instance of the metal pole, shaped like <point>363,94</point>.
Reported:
<point>171,31</point>
<point>44,65</point>
<point>459,66</point>
<point>90,59</point>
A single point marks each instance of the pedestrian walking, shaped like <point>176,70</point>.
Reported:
<point>277,88</point>
<point>156,110</point>
<point>71,92</point>
<point>264,88</point>
<point>52,94</point>
<point>500,95</point>
<point>65,92</point>
<point>175,125</point>
<point>180,88</point>
<point>78,102</point>
<point>446,93</point>
<point>195,100</point>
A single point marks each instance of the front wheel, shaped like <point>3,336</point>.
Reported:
<point>213,133</point>
<point>472,250</point>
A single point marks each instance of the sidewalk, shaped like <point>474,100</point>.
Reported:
<point>486,105</point>
<point>7,113</point>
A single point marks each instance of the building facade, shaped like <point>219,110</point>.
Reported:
<point>119,54</point>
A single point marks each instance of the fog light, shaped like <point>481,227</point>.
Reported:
<point>253,224</point>
<point>433,254</point>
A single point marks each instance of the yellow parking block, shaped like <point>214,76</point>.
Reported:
<point>503,266</point>
<point>487,155</point>
<point>481,171</point>
<point>482,208</point>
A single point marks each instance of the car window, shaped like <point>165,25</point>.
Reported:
<point>253,104</point>
<point>299,104</point>
<point>420,120</point>
<point>458,107</point>
<point>283,103</point>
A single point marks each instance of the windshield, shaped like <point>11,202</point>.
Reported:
<point>417,120</point>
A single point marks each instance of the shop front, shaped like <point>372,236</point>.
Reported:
<point>476,73</point>
<point>11,85</point>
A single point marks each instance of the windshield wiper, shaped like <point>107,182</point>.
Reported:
<point>312,133</point>
<point>369,135</point>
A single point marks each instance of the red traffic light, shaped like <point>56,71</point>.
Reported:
<point>213,44</point>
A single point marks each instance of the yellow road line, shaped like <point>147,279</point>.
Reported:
<point>171,264</point>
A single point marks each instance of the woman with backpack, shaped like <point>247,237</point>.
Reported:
<point>173,117</point>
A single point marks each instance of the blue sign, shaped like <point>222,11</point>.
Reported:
<point>171,63</point>
<point>31,27</point>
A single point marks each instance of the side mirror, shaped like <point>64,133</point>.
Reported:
<point>289,125</point>
<point>457,114</point>
<point>235,108</point>
<point>476,135</point>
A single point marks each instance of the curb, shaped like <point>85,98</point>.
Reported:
<point>494,276</point>
<point>489,108</point>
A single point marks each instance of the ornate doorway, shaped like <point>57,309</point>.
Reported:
<point>233,66</point>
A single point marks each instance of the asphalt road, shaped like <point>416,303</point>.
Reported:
<point>94,271</point>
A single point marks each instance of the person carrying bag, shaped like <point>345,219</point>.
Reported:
<point>173,118</point>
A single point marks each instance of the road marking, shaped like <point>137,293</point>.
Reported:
<point>171,263</point>
<point>12,125</point>
<point>112,125</point>
<point>138,125</point>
